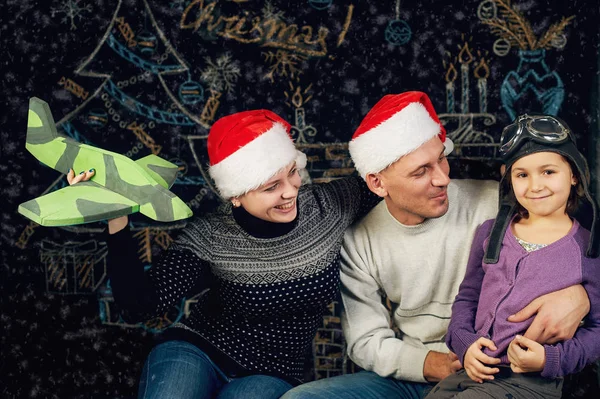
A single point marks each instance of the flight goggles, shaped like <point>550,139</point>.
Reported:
<point>543,129</point>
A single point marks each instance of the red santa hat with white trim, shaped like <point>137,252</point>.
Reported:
<point>246,149</point>
<point>397,125</point>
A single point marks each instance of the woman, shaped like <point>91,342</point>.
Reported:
<point>270,259</point>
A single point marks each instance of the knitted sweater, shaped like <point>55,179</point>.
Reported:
<point>267,291</point>
<point>492,292</point>
<point>419,269</point>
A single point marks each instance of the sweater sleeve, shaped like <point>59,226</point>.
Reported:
<point>351,196</point>
<point>141,295</point>
<point>461,330</point>
<point>572,355</point>
<point>372,344</point>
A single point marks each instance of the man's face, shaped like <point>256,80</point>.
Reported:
<point>415,186</point>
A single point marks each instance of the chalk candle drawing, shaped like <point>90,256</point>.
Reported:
<point>482,72</point>
<point>73,267</point>
<point>532,77</point>
<point>465,58</point>
<point>397,32</point>
<point>300,131</point>
<point>450,78</point>
<point>469,142</point>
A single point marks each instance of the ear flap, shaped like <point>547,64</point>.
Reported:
<point>492,252</point>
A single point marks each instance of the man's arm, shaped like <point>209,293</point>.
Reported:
<point>572,355</point>
<point>557,315</point>
<point>372,343</point>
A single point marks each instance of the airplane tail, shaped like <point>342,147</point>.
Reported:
<point>41,128</point>
<point>161,170</point>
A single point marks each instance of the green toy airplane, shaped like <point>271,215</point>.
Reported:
<point>120,186</point>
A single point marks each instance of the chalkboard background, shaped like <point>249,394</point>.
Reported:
<point>141,77</point>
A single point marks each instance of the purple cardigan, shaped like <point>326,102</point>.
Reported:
<point>490,293</point>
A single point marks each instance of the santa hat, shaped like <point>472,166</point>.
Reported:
<point>397,125</point>
<point>246,149</point>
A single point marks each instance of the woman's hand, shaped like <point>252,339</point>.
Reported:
<point>114,225</point>
<point>83,176</point>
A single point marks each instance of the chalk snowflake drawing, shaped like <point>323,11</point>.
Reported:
<point>269,12</point>
<point>72,10</point>
<point>222,74</point>
<point>282,63</point>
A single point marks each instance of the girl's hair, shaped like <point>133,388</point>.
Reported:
<point>577,192</point>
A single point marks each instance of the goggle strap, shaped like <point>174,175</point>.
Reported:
<point>503,219</point>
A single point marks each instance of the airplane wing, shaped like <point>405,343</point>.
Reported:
<point>162,171</point>
<point>83,202</point>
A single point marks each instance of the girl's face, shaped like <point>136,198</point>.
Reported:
<point>542,183</point>
<point>275,201</point>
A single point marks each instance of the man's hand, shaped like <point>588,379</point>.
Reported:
<point>440,365</point>
<point>114,225</point>
<point>558,315</point>
<point>526,355</point>
<point>476,360</point>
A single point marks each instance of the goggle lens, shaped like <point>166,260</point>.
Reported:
<point>548,129</point>
<point>542,129</point>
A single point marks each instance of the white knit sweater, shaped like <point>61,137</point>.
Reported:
<point>419,268</point>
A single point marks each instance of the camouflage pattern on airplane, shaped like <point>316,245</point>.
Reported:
<point>119,187</point>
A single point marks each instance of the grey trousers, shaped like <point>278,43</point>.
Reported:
<point>505,385</point>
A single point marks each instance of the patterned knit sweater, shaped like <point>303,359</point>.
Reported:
<point>269,283</point>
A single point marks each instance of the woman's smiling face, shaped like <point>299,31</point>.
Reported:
<point>275,201</point>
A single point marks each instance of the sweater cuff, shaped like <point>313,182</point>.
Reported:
<point>461,341</point>
<point>412,361</point>
<point>118,237</point>
<point>552,366</point>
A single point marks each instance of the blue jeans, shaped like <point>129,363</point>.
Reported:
<point>362,385</point>
<point>178,369</point>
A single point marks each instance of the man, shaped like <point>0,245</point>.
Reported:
<point>412,249</point>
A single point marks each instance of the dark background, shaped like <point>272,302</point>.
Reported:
<point>60,335</point>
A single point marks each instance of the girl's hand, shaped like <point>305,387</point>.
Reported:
<point>114,225</point>
<point>476,360</point>
<point>526,355</point>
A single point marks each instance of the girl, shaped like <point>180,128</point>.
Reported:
<point>533,247</point>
